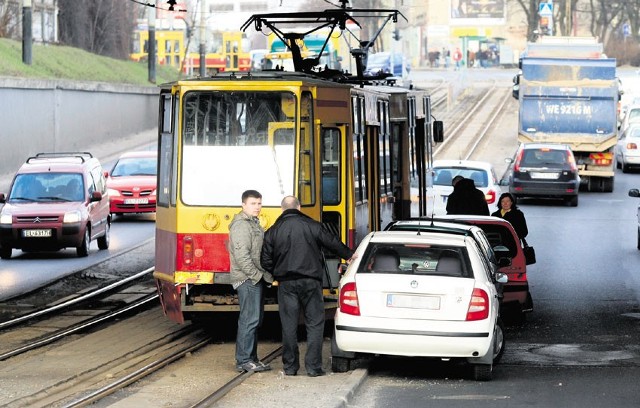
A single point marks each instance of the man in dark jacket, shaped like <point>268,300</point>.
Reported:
<point>292,252</point>
<point>466,198</point>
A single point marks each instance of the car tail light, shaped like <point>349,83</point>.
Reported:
<point>490,196</point>
<point>571,161</point>
<point>349,299</point>
<point>632,146</point>
<point>479,305</point>
<point>516,165</point>
<point>187,250</point>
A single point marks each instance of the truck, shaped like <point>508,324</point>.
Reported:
<point>568,93</point>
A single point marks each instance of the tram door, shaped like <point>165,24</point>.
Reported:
<point>360,175</point>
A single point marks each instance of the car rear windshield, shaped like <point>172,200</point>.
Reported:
<point>444,175</point>
<point>415,259</point>
<point>499,235</point>
<point>43,187</point>
<point>544,158</point>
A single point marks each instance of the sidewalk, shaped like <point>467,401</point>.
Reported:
<point>105,152</point>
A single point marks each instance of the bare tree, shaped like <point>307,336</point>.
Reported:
<point>9,21</point>
<point>103,27</point>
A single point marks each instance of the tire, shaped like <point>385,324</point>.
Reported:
<point>340,364</point>
<point>5,252</point>
<point>572,201</point>
<point>482,372</point>
<point>607,185</point>
<point>83,249</point>
<point>103,241</point>
<point>625,168</point>
<point>498,342</point>
<point>639,238</point>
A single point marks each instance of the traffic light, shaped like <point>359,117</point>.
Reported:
<point>172,5</point>
<point>396,34</point>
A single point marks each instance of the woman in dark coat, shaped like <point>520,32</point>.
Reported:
<point>508,210</point>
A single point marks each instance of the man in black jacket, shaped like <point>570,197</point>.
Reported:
<point>466,198</point>
<point>292,252</point>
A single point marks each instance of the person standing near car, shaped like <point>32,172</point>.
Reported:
<point>508,210</point>
<point>466,198</point>
<point>292,251</point>
<point>248,279</point>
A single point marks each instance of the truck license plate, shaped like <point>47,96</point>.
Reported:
<point>36,233</point>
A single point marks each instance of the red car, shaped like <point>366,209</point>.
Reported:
<point>499,232</point>
<point>132,183</point>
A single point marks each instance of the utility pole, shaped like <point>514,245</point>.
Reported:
<point>27,35</point>
<point>151,43</point>
<point>203,41</point>
<point>569,15</point>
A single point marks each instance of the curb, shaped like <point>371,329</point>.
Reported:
<point>348,389</point>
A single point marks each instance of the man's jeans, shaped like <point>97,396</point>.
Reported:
<point>251,300</point>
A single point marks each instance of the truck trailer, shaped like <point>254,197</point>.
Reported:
<point>573,101</point>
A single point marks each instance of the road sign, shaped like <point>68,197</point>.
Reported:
<point>626,29</point>
<point>545,9</point>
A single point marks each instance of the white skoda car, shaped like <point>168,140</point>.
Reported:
<point>425,294</point>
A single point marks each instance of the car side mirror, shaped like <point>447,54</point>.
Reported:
<point>95,196</point>
<point>106,174</point>
<point>3,198</point>
<point>504,181</point>
<point>438,131</point>
<point>501,277</point>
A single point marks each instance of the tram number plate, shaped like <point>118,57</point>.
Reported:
<point>546,176</point>
<point>136,200</point>
<point>36,233</point>
<point>413,302</point>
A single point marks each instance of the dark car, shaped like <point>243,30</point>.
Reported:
<point>545,170</point>
<point>381,63</point>
<point>56,201</point>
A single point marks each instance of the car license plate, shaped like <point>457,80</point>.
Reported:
<point>546,176</point>
<point>36,233</point>
<point>136,200</point>
<point>413,301</point>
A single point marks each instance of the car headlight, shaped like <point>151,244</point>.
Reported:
<point>6,218</point>
<point>154,192</point>
<point>71,217</point>
<point>113,192</point>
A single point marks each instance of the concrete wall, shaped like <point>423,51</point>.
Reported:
<point>57,116</point>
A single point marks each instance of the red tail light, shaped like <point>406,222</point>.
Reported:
<point>349,299</point>
<point>490,197</point>
<point>632,146</point>
<point>187,250</point>
<point>479,305</point>
<point>516,165</point>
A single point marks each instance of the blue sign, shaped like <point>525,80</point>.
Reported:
<point>626,29</point>
<point>545,9</point>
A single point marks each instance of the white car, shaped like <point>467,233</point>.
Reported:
<point>627,149</point>
<point>634,192</point>
<point>482,174</point>
<point>631,115</point>
<point>431,294</point>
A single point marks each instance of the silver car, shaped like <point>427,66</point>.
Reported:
<point>627,148</point>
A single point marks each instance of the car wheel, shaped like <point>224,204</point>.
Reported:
<point>83,249</point>
<point>5,252</point>
<point>625,168</point>
<point>572,201</point>
<point>340,364</point>
<point>103,241</point>
<point>482,372</point>
<point>618,163</point>
<point>498,342</point>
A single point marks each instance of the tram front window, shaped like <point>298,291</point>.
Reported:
<point>235,141</point>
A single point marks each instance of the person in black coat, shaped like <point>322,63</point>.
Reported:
<point>466,198</point>
<point>292,252</point>
<point>508,210</point>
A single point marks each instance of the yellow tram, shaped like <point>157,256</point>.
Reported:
<point>354,153</point>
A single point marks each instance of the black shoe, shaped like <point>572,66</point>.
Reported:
<point>319,373</point>
<point>290,373</point>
